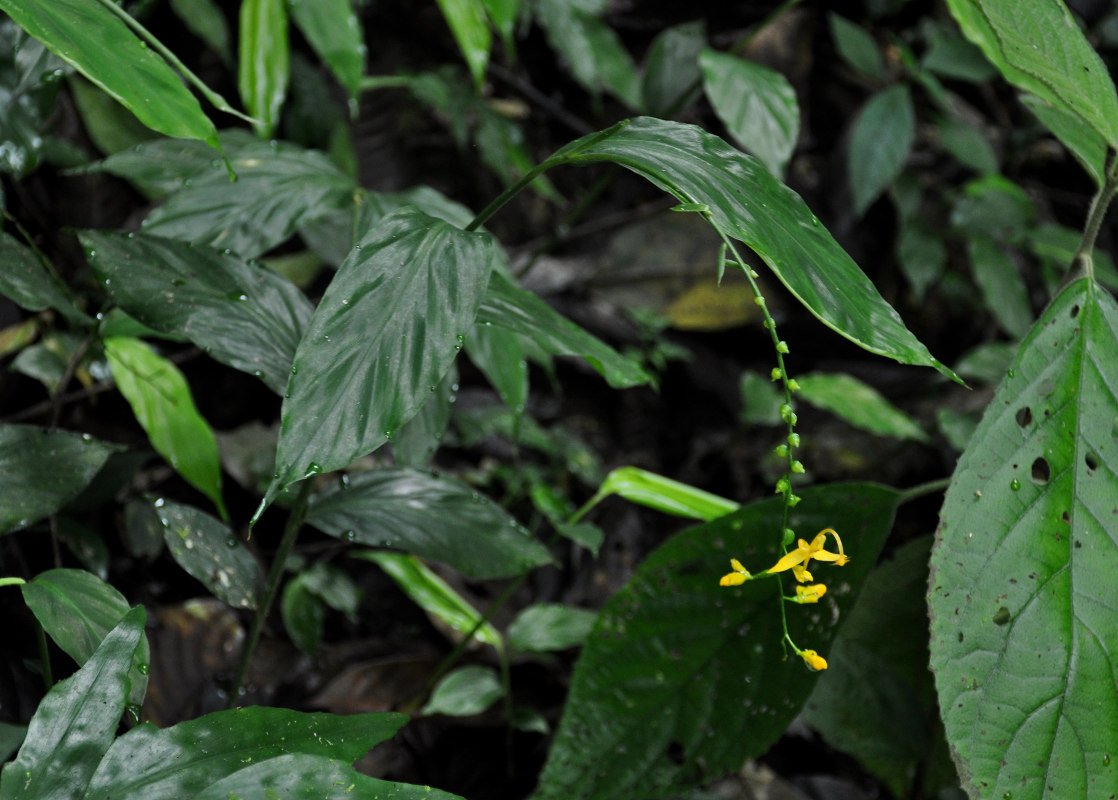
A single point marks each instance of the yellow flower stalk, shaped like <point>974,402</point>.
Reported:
<point>814,661</point>
<point>810,594</point>
<point>797,560</point>
<point>736,578</point>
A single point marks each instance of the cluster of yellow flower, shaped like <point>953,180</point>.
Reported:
<point>797,560</point>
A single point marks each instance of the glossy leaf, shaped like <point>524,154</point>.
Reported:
<point>746,202</point>
<point>436,517</point>
<point>242,314</point>
<point>464,692</point>
<point>1021,591</point>
<point>264,61</point>
<point>757,104</point>
<point>11,737</point>
<point>550,626</point>
<point>77,610</point>
<point>683,676</point>
<point>1039,48</point>
<point>1002,286</point>
<point>95,41</point>
<point>209,551</point>
<point>41,470</point>
<point>509,306</point>
<point>672,77</point>
<point>500,356</point>
<point>467,22</point>
<point>277,190</point>
<point>591,50</point>
<point>386,331</point>
<point>27,283</point>
<point>333,30</point>
<point>879,144</point>
<point>434,595</point>
<point>857,403</point>
<point>149,763</point>
<point>663,494</point>
<point>75,723</point>
<point>161,401</point>
<point>415,443</point>
<point>1085,144</point>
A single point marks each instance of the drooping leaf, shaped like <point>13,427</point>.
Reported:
<point>149,763</point>
<point>26,282</point>
<point>550,626</point>
<point>334,31</point>
<point>42,470</point>
<point>663,494</point>
<point>75,723</point>
<point>757,104</point>
<point>857,403</point>
<point>264,61</point>
<point>161,400</point>
<point>386,331</point>
<point>436,517</point>
<point>242,314</point>
<point>679,674</point>
<point>1021,591</point>
<point>746,202</point>
<point>208,550</point>
<point>1086,144</point>
<point>672,78</point>
<point>77,610</point>
<point>466,691</point>
<point>95,41</point>
<point>879,144</point>
<point>467,22</point>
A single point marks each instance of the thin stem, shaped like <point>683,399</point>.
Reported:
<point>1100,203</point>
<point>931,487</point>
<point>507,195</point>
<point>452,658</point>
<point>275,574</point>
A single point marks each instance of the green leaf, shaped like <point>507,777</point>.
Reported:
<point>1040,49</point>
<point>414,445</point>
<point>996,207</point>
<point>1021,592</point>
<point>922,255</point>
<point>757,104</point>
<point>334,587</point>
<point>761,400</point>
<point>434,595</point>
<point>503,13</point>
<point>205,20</point>
<point>509,306</point>
<point>436,517</point>
<point>161,401</point>
<point>672,78</point>
<point>75,723</point>
<point>879,144</point>
<point>858,404</point>
<point>951,56</point>
<point>663,494</point>
<point>1085,144</point>
<point>1001,285</point>
<point>11,737</point>
<point>464,692</point>
<point>591,50</point>
<point>549,626</point>
<point>856,46</point>
<point>967,145</point>
<point>303,615</point>
<point>685,677</point>
<point>277,190</point>
<point>109,125</point>
<point>242,314</point>
<point>334,31</point>
<point>149,763</point>
<point>387,330</point>
<point>746,202</point>
<point>77,610</point>
<point>467,22</point>
<point>95,41</point>
<point>500,356</point>
<point>209,551</point>
<point>264,60</point>
<point>42,470</point>
<point>27,283</point>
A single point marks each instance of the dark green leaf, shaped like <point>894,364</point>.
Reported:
<point>242,314</point>
<point>181,761</point>
<point>27,283</point>
<point>922,255</point>
<point>466,19</point>
<point>545,627</point>
<point>465,691</point>
<point>879,143</point>
<point>951,56</point>
<point>680,679</point>
<point>108,124</point>
<point>967,144</point>
<point>500,356</point>
<point>1022,586</point>
<point>41,470</point>
<point>415,443</point>
<point>212,553</point>
<point>11,737</point>
<point>386,331</point>
<point>334,587</point>
<point>161,401</point>
<point>746,202</point>
<point>856,46</point>
<point>1085,144</point>
<point>94,40</point>
<point>995,207</point>
<point>857,403</point>
<point>592,51</point>
<point>206,20</point>
<point>1001,285</point>
<point>334,32</point>
<point>143,530</point>
<point>761,400</point>
<point>303,615</point>
<point>264,61</point>
<point>75,723</point>
<point>77,610</point>
<point>672,78</point>
<point>436,517</point>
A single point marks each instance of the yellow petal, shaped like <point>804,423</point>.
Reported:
<point>814,661</point>
<point>733,579</point>
<point>801,573</point>
<point>810,594</point>
<point>788,560</point>
<point>737,567</point>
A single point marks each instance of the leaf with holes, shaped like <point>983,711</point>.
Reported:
<point>1022,586</point>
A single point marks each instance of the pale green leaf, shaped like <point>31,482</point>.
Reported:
<point>858,404</point>
<point>464,692</point>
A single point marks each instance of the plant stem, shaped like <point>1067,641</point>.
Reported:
<point>275,574</point>
<point>931,487</point>
<point>1100,203</point>
<point>506,196</point>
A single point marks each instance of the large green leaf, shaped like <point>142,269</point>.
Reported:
<point>417,440</point>
<point>88,36</point>
<point>278,189</point>
<point>746,202</point>
<point>181,761</point>
<point>467,22</point>
<point>592,51</point>
<point>75,723</point>
<point>386,331</point>
<point>242,314</point>
<point>1022,585</point>
<point>1039,47</point>
<point>672,77</point>
<point>436,517</point>
<point>879,143</point>
<point>683,679</point>
<point>42,470</point>
<point>264,61</point>
<point>757,104</point>
<point>161,400</point>
<point>77,610</point>
<point>26,282</point>
<point>334,32</point>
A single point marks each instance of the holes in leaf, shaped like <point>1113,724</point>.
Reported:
<point>1074,311</point>
<point>1025,417</point>
<point>1092,460</point>
<point>675,753</point>
<point>1065,518</point>
<point>1041,473</point>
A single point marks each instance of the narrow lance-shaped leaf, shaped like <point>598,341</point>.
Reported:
<point>467,22</point>
<point>264,61</point>
<point>1022,586</point>
<point>387,330</point>
<point>879,144</point>
<point>334,32</point>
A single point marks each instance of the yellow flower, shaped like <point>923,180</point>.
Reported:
<point>736,578</point>
<point>810,594</point>
<point>797,560</point>
<point>814,661</point>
